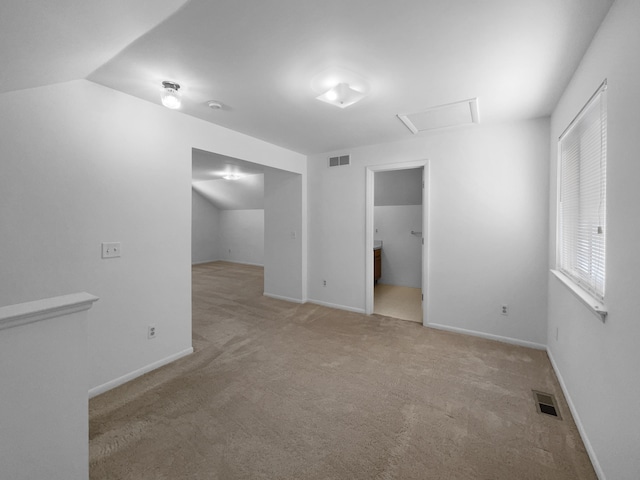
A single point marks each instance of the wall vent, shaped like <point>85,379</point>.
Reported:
<point>339,161</point>
<point>546,403</point>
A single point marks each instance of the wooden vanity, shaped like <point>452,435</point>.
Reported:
<point>377,264</point>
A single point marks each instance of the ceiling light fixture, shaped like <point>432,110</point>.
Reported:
<point>170,96</point>
<point>341,95</point>
<point>214,105</point>
<point>232,176</point>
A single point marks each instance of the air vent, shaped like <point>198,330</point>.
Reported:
<point>441,116</point>
<point>546,403</point>
<point>340,161</point>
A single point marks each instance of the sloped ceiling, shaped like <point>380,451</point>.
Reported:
<point>44,42</point>
<point>246,193</point>
<point>260,58</point>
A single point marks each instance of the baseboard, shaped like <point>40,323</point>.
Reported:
<point>576,418</point>
<point>336,306</point>
<point>242,263</point>
<point>488,336</point>
<point>281,297</point>
<point>205,261</point>
<point>136,373</point>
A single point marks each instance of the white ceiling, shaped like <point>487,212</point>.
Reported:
<point>44,42</point>
<point>259,58</point>
<point>246,193</point>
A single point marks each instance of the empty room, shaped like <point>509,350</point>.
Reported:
<point>351,239</point>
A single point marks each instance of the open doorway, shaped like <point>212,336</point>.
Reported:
<point>396,246</point>
<point>256,218</point>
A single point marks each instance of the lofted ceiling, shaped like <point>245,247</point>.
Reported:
<point>260,58</point>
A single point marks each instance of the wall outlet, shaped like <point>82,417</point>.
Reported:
<point>324,283</point>
<point>110,249</point>
<point>504,310</point>
<point>151,332</point>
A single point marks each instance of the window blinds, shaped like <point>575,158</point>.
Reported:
<point>582,201</point>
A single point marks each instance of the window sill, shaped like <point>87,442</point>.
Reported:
<point>596,306</point>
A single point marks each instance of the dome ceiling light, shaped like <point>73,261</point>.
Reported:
<point>170,95</point>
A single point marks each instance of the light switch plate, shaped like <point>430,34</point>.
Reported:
<point>110,249</point>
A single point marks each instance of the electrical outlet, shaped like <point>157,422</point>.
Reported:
<point>504,310</point>
<point>151,332</point>
<point>110,249</point>
<point>324,283</point>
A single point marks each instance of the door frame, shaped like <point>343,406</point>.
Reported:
<point>369,229</point>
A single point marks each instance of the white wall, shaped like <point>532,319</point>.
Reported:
<point>242,236</point>
<point>398,187</point>
<point>205,218</point>
<point>488,227</point>
<point>83,164</point>
<point>43,406</point>
<point>284,235</point>
<point>401,251</point>
<point>398,212</point>
<point>598,362</point>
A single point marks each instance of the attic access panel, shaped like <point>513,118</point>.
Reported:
<point>442,116</point>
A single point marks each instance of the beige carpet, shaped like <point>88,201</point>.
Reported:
<point>398,302</point>
<point>283,391</point>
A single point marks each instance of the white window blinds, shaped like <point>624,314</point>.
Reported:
<point>582,199</point>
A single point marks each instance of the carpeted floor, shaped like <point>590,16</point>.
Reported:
<point>284,391</point>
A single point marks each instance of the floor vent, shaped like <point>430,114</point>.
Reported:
<point>546,403</point>
<point>340,161</point>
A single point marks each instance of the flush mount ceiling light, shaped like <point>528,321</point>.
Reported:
<point>341,95</point>
<point>214,105</point>
<point>170,96</point>
<point>232,176</point>
<point>339,87</point>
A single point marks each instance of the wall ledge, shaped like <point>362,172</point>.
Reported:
<point>29,312</point>
<point>594,305</point>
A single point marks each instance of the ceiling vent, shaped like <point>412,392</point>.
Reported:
<point>340,161</point>
<point>442,116</point>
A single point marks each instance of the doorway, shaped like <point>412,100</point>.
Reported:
<point>267,214</point>
<point>397,214</point>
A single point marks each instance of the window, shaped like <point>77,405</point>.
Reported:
<point>582,197</point>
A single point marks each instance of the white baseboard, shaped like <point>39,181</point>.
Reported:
<point>488,336</point>
<point>339,307</point>
<point>576,418</point>
<point>136,373</point>
<point>242,263</point>
<point>205,261</point>
<point>281,297</point>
